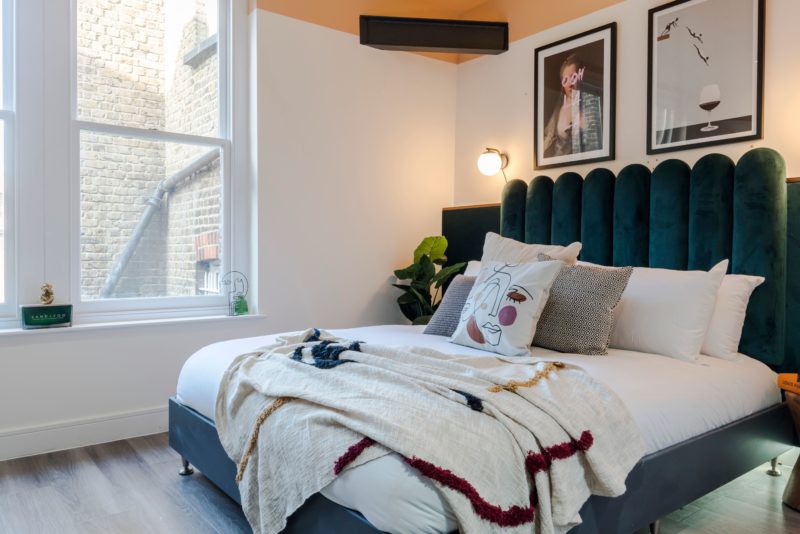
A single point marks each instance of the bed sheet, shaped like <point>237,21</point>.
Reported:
<point>670,400</point>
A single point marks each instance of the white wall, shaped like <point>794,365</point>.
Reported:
<point>64,389</point>
<point>353,162</point>
<point>356,159</point>
<point>495,100</point>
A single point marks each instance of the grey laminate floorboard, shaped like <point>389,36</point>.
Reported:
<point>132,486</point>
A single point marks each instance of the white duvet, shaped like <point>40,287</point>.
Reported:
<point>670,400</point>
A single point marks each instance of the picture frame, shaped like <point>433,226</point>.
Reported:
<point>575,85</point>
<point>705,74</point>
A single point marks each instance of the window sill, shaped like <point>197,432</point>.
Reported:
<point>89,327</point>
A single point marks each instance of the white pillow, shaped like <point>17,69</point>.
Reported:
<point>498,248</point>
<point>504,305</point>
<point>667,312</point>
<point>725,329</point>
<point>473,268</point>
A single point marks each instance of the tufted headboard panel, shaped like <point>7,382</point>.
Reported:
<point>676,217</point>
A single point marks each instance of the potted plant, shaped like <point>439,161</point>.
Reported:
<point>426,276</point>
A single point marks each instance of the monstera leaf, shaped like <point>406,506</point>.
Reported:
<point>420,272</point>
<point>433,247</point>
<point>416,302</point>
<point>441,278</point>
<point>420,294</point>
<point>409,273</point>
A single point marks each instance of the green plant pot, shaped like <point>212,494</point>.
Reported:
<point>424,319</point>
<point>411,310</point>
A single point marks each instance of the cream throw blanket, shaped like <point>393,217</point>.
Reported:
<point>508,456</point>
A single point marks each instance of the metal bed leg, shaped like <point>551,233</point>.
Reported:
<point>186,469</point>
<point>655,526</point>
<point>773,470</point>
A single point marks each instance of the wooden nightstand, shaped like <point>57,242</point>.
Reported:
<point>791,495</point>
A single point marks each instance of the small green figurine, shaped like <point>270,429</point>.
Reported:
<point>240,305</point>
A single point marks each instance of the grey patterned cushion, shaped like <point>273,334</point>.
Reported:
<point>579,314</point>
<point>445,319</point>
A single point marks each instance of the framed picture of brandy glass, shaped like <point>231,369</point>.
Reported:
<point>705,73</point>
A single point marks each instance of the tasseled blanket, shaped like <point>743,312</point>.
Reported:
<point>508,455</point>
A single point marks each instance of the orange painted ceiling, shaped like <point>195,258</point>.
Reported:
<point>525,17</point>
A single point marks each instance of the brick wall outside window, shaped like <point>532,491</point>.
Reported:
<point>121,45</point>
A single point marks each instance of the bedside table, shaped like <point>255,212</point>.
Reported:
<point>791,495</point>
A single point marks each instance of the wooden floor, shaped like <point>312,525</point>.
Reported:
<point>133,486</point>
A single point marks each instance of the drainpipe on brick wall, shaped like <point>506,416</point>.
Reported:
<point>154,203</point>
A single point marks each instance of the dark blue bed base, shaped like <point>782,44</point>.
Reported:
<point>714,190</point>
<point>658,485</point>
<point>195,438</point>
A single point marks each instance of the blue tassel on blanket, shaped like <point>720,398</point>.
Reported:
<point>472,401</point>
<point>326,353</point>
<point>315,336</point>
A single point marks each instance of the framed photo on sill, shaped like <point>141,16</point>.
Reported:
<point>575,99</point>
<point>705,73</point>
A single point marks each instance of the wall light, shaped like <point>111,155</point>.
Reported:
<point>491,162</point>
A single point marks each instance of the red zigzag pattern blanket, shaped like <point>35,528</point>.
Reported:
<point>513,447</point>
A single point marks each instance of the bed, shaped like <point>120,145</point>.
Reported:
<point>714,419</point>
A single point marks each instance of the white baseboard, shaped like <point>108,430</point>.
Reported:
<point>29,441</point>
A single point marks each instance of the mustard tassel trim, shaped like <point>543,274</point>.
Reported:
<point>251,445</point>
<point>514,385</point>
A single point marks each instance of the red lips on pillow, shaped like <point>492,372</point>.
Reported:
<point>474,332</point>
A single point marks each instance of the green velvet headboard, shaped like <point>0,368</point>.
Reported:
<point>681,217</point>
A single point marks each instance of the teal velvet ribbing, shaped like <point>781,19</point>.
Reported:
<point>597,224</point>
<point>567,198</point>
<point>539,209</point>
<point>632,216</point>
<point>512,210</point>
<point>681,218</point>
<point>759,248</point>
<point>711,211</point>
<point>669,215</point>
<point>791,362</point>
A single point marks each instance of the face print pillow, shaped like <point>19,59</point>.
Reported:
<point>505,303</point>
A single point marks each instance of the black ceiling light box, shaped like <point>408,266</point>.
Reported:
<point>434,35</point>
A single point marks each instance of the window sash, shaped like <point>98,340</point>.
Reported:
<point>9,302</point>
<point>103,310</point>
<point>9,33</point>
<point>99,309</point>
<point>224,110</point>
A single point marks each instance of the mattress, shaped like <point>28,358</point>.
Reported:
<point>670,401</point>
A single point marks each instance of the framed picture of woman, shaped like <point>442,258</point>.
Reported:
<point>705,73</point>
<point>575,99</point>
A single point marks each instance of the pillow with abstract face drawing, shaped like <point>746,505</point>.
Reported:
<point>505,303</point>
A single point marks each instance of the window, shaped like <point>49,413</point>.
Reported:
<point>150,113</point>
<point>124,161</point>
<point>7,196</point>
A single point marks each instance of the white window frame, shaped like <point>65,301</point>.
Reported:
<point>42,161</point>
<point>105,310</point>
<point>8,305</point>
